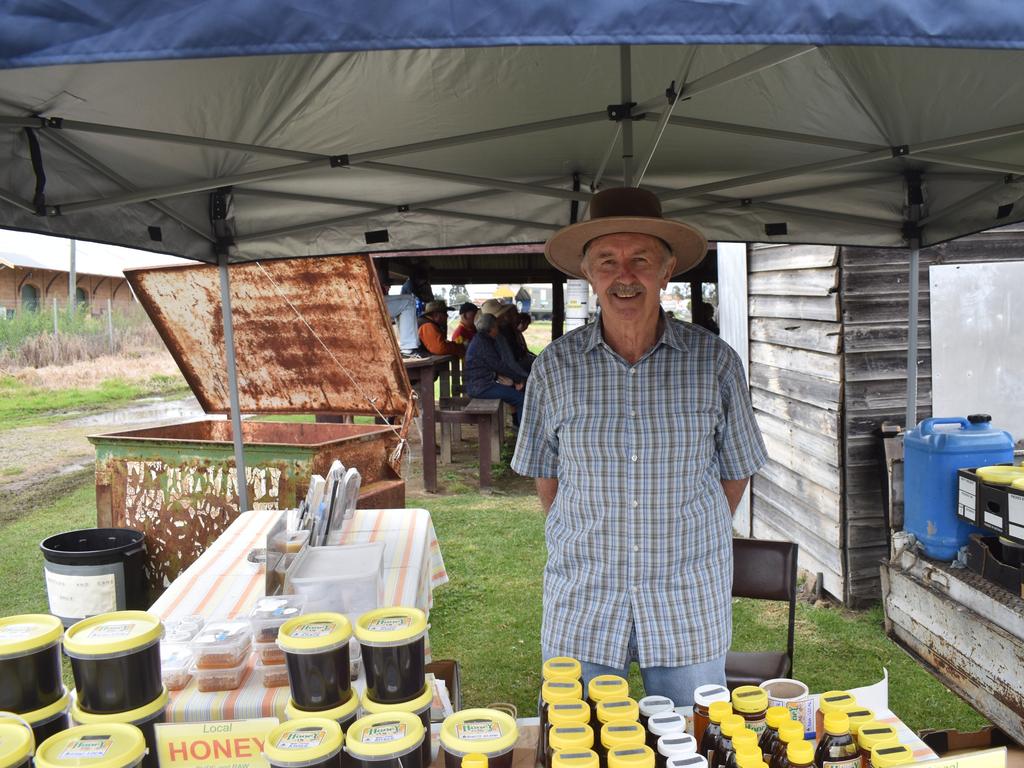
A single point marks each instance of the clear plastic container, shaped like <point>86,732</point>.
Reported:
<point>183,629</point>
<point>222,645</point>
<point>269,613</point>
<point>221,679</point>
<point>268,653</point>
<point>176,662</point>
<point>272,675</point>
<point>345,579</point>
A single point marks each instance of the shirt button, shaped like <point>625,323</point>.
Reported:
<point>635,503</point>
<point>633,414</point>
<point>633,457</point>
<point>632,370</point>
<point>636,548</point>
<point>635,589</point>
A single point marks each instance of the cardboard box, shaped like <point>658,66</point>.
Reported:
<point>448,670</point>
<point>950,743</point>
<point>988,557</point>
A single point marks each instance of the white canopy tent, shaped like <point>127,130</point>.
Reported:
<point>387,141</point>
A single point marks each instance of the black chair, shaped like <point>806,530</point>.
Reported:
<point>763,570</point>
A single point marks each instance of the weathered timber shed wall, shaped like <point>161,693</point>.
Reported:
<point>828,347</point>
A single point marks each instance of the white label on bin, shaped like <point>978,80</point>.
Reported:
<point>302,738</point>
<point>967,499</point>
<point>314,629</point>
<point>993,521</point>
<point>81,596</point>
<point>87,748</point>
<point>478,730</point>
<point>383,733</point>
<point>1015,509</point>
<point>389,623</point>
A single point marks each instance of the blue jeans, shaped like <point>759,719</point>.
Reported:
<point>676,683</point>
<point>510,395</point>
<point>403,309</point>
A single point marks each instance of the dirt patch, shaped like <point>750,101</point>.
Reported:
<point>21,500</point>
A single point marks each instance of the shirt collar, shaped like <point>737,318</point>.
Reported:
<point>672,335</point>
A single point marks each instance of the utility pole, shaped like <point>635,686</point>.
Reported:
<point>72,283</point>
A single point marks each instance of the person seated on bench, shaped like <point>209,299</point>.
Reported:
<point>434,331</point>
<point>465,330</point>
<point>485,375</point>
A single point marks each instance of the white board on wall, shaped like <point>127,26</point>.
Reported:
<point>977,325</point>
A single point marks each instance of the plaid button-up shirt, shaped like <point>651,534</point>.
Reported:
<point>640,532</point>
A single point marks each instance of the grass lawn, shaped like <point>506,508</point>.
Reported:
<point>23,406</point>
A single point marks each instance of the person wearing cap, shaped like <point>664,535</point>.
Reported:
<point>485,374</point>
<point>465,330</point>
<point>641,437</point>
<point>434,331</point>
<point>506,315</point>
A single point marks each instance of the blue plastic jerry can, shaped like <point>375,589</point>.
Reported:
<point>932,453</point>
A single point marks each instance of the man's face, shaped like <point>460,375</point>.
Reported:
<point>469,317</point>
<point>440,317</point>
<point>506,319</point>
<point>627,271</point>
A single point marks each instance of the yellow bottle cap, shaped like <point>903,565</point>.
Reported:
<point>371,707</point>
<point>837,723</point>
<point>558,691</point>
<point>791,731</point>
<point>583,758</point>
<point>568,712</point>
<point>16,743</point>
<point>112,745</point>
<point>622,734</point>
<point>28,633</point>
<point>564,668</point>
<point>112,634</point>
<point>617,709</point>
<point>478,730</point>
<point>776,716</point>
<point>718,710</point>
<point>572,737</point>
<point>732,724</point>
<point>474,760</point>
<point>873,733</point>
<point>836,701</point>
<point>383,736</point>
<point>631,757</point>
<point>858,717</point>
<point>745,738</point>
<point>385,627</point>
<point>80,717</point>
<point>314,633</point>
<point>749,699</point>
<point>607,687</point>
<point>303,742</point>
<point>890,755</point>
<point>749,757</point>
<point>800,752</point>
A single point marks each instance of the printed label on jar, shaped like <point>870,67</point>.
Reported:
<point>314,629</point>
<point>302,738</point>
<point>383,733</point>
<point>478,730</point>
<point>111,629</point>
<point>850,762</point>
<point>18,631</point>
<point>560,664</point>
<point>87,748</point>
<point>757,726</point>
<point>389,623</point>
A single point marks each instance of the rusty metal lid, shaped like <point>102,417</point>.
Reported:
<point>311,335</point>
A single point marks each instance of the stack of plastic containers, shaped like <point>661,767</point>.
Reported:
<point>176,660</point>
<point>266,619</point>
<point>393,646</point>
<point>221,651</point>
<point>30,675</point>
<point>115,660</point>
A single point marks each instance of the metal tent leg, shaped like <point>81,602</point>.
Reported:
<point>229,357</point>
<point>915,258</point>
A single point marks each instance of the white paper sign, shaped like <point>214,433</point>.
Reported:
<point>73,596</point>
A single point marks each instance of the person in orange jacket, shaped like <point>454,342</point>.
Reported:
<point>434,331</point>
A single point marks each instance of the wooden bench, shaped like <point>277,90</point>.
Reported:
<point>487,415</point>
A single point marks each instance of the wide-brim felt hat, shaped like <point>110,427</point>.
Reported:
<point>619,210</point>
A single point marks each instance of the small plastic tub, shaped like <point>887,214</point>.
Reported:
<point>221,679</point>
<point>47,721</point>
<point>184,629</point>
<point>145,719</point>
<point>687,761</point>
<point>393,648</point>
<point>344,716</point>
<point>387,740</point>
<point>115,658</point>
<point>675,745</point>
<point>16,744</point>
<point>176,662</point>
<point>420,706</point>
<point>272,675</point>
<point>311,742</point>
<point>222,645</point>
<point>268,653</point>
<point>30,662</point>
<point>316,653</point>
<point>112,745</point>
<point>487,731</point>
<point>269,613</point>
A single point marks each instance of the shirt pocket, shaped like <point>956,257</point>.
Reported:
<point>684,459</point>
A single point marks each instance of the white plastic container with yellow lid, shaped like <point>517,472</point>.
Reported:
<point>144,718</point>
<point>387,740</point>
<point>314,633</point>
<point>46,721</point>
<point>394,652</point>
<point>420,706</point>
<point>30,673</point>
<point>488,731</point>
<point>309,742</point>
<point>113,745</point>
<point>343,715</point>
<point>317,654</point>
<point>17,744</point>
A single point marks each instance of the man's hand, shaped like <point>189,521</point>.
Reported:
<point>505,381</point>
<point>520,386</point>
<point>734,492</point>
<point>547,489</point>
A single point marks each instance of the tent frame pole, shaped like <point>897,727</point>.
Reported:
<point>479,181</point>
<point>971,163</point>
<point>229,357</point>
<point>912,321</point>
<point>626,84</point>
<point>765,133</point>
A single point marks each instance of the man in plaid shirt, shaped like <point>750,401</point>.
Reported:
<point>641,437</point>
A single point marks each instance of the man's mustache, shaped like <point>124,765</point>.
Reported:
<point>626,290</point>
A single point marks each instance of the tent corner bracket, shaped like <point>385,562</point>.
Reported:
<point>339,161</point>
<point>619,112</point>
